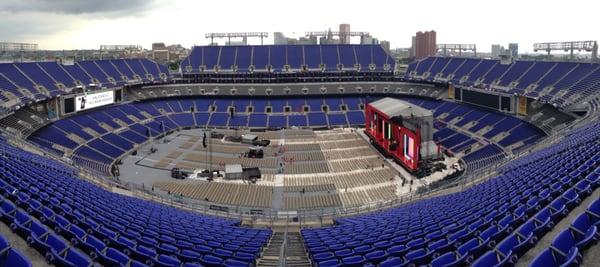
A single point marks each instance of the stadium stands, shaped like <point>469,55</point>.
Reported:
<point>71,221</point>
<point>491,223</point>
<point>135,123</point>
<point>10,256</point>
<point>319,164</point>
<point>35,81</point>
<point>283,58</point>
<point>567,247</point>
<point>557,83</point>
<point>74,222</point>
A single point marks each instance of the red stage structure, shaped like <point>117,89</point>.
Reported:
<point>401,130</point>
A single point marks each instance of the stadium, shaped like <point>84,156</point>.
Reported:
<point>300,155</point>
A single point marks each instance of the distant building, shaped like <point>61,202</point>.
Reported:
<point>4,46</point>
<point>413,47</point>
<point>307,41</point>
<point>513,50</point>
<point>385,45</point>
<point>334,41</point>
<point>230,43</point>
<point>279,38</point>
<point>344,33</point>
<point>425,44</point>
<point>328,39</point>
<point>177,52</point>
<point>322,40</point>
<point>120,47</point>
<point>401,53</point>
<point>160,52</point>
<point>158,46</point>
<point>367,40</point>
<point>498,50</point>
<point>244,41</point>
<point>163,53</point>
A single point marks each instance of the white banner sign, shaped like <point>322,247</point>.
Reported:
<point>94,100</point>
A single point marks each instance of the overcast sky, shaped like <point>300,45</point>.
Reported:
<point>86,24</point>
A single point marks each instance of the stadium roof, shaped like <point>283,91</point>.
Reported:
<point>398,108</point>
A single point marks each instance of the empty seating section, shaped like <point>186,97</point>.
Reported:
<point>139,69</point>
<point>483,156</point>
<point>347,56</point>
<point>313,57</point>
<point>535,73</point>
<point>76,223</point>
<point>33,71</point>
<point>237,194</point>
<point>57,73</point>
<point>537,79</point>
<point>295,56</point>
<point>439,64</point>
<point>514,72</point>
<point>570,243</point>
<point>332,56</point>
<point>452,65</point>
<point>495,73</point>
<point>10,256</point>
<point>326,164</point>
<point>227,57</point>
<point>478,119</point>
<point>341,181</point>
<point>137,122</point>
<point>243,59</point>
<point>278,58</point>
<point>123,68</point>
<point>90,68</point>
<point>491,223</point>
<point>110,70</point>
<point>310,202</point>
<point>43,80</point>
<point>17,81</point>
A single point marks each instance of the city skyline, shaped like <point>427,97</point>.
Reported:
<point>87,24</point>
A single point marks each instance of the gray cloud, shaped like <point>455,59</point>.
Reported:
<point>77,7</point>
<point>29,28</point>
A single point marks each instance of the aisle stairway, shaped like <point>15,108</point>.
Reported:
<point>296,252</point>
<point>270,256</point>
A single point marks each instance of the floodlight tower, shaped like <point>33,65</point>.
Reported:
<point>588,46</point>
<point>445,48</point>
<point>230,35</point>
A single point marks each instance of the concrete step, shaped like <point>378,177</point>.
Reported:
<point>295,251</point>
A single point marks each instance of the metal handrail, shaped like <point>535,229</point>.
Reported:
<point>283,248</point>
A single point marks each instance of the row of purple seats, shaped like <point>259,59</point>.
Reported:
<point>576,78</point>
<point>314,57</point>
<point>57,79</point>
<point>73,222</point>
<point>567,246</point>
<point>10,256</point>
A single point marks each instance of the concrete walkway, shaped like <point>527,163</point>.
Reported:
<point>19,243</point>
<point>591,256</point>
